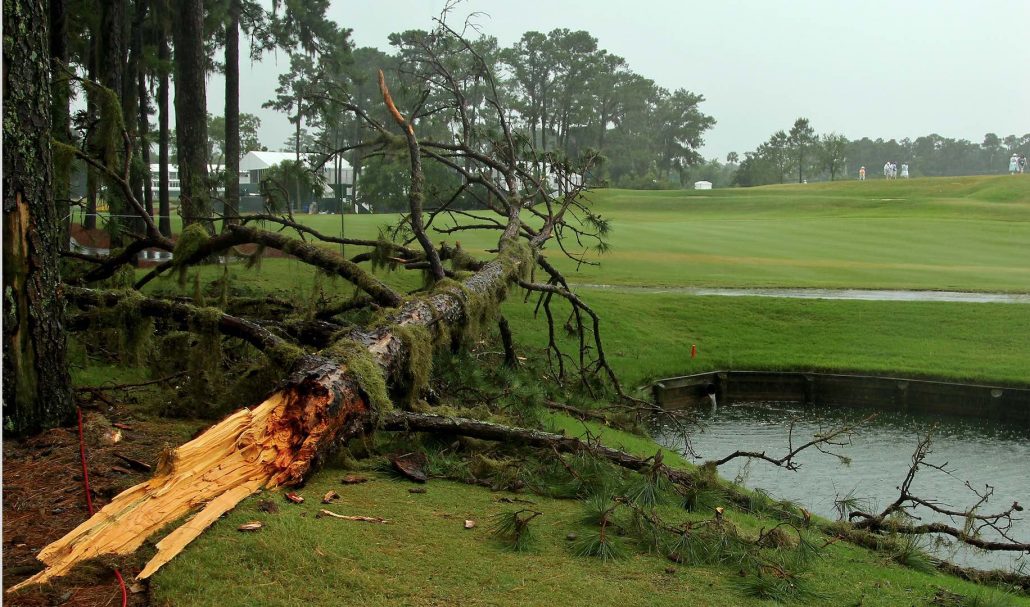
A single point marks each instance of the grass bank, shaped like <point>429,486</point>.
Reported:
<point>649,335</point>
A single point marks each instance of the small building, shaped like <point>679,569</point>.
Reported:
<point>173,179</point>
<point>702,185</point>
<point>337,174</point>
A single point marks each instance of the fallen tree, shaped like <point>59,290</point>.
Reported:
<point>351,385</point>
<point>330,395</point>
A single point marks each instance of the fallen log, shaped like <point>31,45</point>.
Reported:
<point>277,443</point>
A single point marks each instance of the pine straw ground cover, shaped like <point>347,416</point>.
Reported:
<point>43,494</point>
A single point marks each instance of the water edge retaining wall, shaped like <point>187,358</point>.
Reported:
<point>1000,403</point>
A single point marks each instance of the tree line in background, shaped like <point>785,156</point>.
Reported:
<point>800,155</point>
<point>567,97</point>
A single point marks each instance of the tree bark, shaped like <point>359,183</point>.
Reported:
<point>36,387</point>
<point>232,114</point>
<point>111,65</point>
<point>59,112</point>
<point>92,70</point>
<point>144,140</point>
<point>191,113</point>
<point>134,108</point>
<point>163,54</point>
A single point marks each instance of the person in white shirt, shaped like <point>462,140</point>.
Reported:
<point>904,170</point>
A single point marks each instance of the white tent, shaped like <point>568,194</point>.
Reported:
<point>702,185</point>
<point>254,162</point>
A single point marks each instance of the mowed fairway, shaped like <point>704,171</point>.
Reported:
<point>964,233</point>
<point>961,234</point>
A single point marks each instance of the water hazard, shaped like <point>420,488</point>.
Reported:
<point>849,294</point>
<point>880,452</point>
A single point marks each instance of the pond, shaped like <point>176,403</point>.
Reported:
<point>880,454</point>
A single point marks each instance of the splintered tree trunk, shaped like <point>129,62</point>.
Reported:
<point>36,387</point>
<point>277,443</point>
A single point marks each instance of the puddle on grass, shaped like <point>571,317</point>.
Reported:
<point>852,294</point>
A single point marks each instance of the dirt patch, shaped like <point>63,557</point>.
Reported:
<point>44,498</point>
<point>95,238</point>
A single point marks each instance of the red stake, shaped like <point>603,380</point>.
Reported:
<point>89,500</point>
<point>693,350</point>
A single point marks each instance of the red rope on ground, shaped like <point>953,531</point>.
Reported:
<point>89,499</point>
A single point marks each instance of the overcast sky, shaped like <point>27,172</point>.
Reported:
<point>891,69</point>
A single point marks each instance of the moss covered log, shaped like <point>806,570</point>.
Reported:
<point>327,399</point>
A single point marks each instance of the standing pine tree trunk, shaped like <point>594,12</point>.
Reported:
<point>163,54</point>
<point>134,107</point>
<point>89,221</point>
<point>37,390</point>
<point>111,66</point>
<point>296,144</point>
<point>144,139</point>
<point>59,110</point>
<point>191,113</point>
<point>232,114</point>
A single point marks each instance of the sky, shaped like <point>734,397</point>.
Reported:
<point>876,68</point>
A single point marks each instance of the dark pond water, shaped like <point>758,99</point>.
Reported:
<point>880,452</point>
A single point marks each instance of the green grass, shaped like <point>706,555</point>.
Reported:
<point>649,335</point>
<point>426,557</point>
<point>956,233</point>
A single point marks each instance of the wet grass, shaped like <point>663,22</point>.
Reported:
<point>965,233</point>
<point>649,335</point>
<point>955,233</point>
<point>425,556</point>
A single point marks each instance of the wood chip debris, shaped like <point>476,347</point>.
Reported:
<point>329,497</point>
<point>293,497</point>
<point>469,523</point>
<point>362,519</point>
<point>417,490</point>
<point>268,506</point>
<point>413,465</point>
<point>251,526</point>
<point>353,479</point>
<point>122,426</point>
